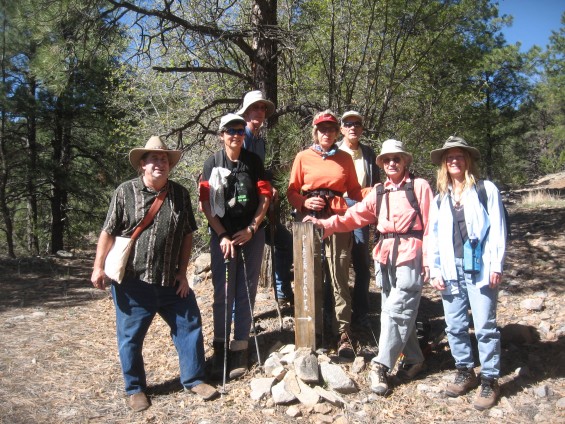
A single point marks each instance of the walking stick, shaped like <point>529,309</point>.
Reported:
<point>273,220</point>
<point>226,328</point>
<point>250,305</point>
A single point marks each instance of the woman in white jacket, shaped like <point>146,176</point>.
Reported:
<point>462,229</point>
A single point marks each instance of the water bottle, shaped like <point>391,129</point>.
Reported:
<point>472,253</point>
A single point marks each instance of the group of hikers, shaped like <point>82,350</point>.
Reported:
<point>454,241</point>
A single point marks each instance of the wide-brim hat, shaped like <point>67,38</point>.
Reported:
<point>451,143</point>
<point>393,146</point>
<point>231,118</point>
<point>351,113</point>
<point>154,144</point>
<point>256,96</point>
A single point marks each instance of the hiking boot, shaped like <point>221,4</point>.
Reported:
<point>138,402</point>
<point>345,346</point>
<point>465,380</point>
<point>487,395</point>
<point>217,372</point>
<point>379,382</point>
<point>408,372</point>
<point>238,363</point>
<point>205,391</point>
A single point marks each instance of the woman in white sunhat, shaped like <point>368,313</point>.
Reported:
<point>399,207</point>
<point>466,255</point>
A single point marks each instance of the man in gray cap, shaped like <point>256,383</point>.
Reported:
<point>255,110</point>
<point>155,276</point>
<point>368,175</point>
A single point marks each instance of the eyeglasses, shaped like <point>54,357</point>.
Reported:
<point>326,129</point>
<point>395,159</point>
<point>458,158</point>
<point>355,124</point>
<point>234,131</point>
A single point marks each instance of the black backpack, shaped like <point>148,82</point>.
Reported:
<point>240,195</point>
<point>483,198</point>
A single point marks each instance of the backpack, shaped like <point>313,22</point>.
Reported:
<point>483,198</point>
<point>410,196</point>
<point>240,195</point>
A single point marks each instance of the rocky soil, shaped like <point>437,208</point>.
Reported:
<point>59,363</point>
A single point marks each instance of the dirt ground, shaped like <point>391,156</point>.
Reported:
<point>59,361</point>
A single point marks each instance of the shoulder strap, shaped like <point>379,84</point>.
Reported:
<point>219,158</point>
<point>482,192</point>
<point>380,191</point>
<point>411,195</point>
<point>155,206</point>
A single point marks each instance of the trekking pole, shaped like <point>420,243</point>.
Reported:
<point>226,328</point>
<point>272,218</point>
<point>250,305</point>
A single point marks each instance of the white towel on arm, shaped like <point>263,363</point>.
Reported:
<point>218,181</point>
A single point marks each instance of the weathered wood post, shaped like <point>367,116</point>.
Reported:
<point>308,294</point>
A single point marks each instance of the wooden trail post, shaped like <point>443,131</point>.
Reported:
<point>308,293</point>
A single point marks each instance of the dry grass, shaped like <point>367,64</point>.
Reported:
<point>59,362</point>
<point>541,198</point>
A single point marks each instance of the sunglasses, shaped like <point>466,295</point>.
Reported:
<point>395,159</point>
<point>355,124</point>
<point>234,131</point>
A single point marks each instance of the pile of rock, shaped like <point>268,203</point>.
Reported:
<point>297,375</point>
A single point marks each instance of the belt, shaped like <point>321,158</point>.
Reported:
<point>419,234</point>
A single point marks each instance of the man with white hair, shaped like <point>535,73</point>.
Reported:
<point>255,110</point>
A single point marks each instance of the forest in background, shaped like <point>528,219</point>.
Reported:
<point>84,81</point>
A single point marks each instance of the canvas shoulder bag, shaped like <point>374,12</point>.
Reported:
<point>117,258</point>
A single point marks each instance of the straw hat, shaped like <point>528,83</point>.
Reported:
<point>450,143</point>
<point>393,146</point>
<point>154,144</point>
<point>256,97</point>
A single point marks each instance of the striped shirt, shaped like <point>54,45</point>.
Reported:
<point>154,257</point>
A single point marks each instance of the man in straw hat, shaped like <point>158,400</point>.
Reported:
<point>155,278</point>
<point>255,110</point>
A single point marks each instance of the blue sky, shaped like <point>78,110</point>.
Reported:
<point>533,21</point>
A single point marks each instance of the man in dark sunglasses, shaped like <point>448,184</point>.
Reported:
<point>368,175</point>
<point>256,110</point>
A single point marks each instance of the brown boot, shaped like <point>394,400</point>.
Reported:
<point>138,402</point>
<point>487,394</point>
<point>345,346</point>
<point>465,380</point>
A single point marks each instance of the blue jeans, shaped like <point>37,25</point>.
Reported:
<point>237,300</point>
<point>283,259</point>
<point>136,304</point>
<point>482,301</point>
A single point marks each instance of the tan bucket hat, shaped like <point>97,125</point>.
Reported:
<point>450,143</point>
<point>154,144</point>
<point>393,146</point>
<point>256,96</point>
